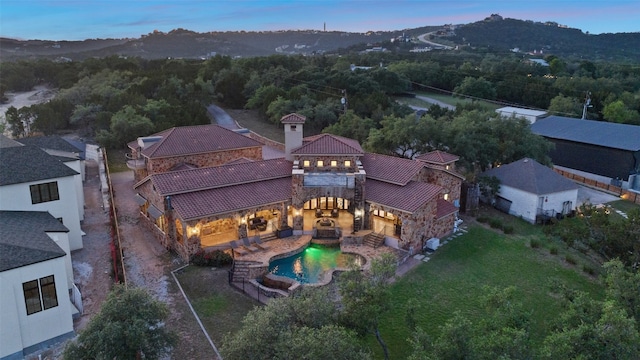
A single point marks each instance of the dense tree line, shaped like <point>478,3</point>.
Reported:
<point>117,99</point>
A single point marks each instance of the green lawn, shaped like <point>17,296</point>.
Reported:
<point>455,276</point>
<point>452,280</point>
<point>623,205</point>
<point>220,307</point>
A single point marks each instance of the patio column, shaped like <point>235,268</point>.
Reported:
<point>298,221</point>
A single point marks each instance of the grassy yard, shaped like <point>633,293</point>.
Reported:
<point>454,278</point>
<point>623,205</point>
<point>220,307</point>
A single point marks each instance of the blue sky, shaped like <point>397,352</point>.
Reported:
<point>86,19</point>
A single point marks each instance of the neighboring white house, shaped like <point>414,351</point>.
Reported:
<point>33,180</point>
<point>533,191</point>
<point>66,152</point>
<point>35,275</point>
<point>530,115</point>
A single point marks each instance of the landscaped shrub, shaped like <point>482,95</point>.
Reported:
<point>508,229</point>
<point>535,243</point>
<point>214,258</point>
<point>553,250</point>
<point>570,259</point>
<point>495,223</point>
<point>588,269</point>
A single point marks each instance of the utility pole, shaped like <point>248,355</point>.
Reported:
<point>344,100</point>
<point>587,104</point>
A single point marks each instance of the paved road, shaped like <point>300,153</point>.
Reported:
<point>437,102</point>
<point>220,117</point>
<point>422,39</point>
<point>593,196</point>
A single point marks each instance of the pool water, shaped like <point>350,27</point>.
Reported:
<point>308,266</point>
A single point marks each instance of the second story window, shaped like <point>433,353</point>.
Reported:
<point>320,163</point>
<point>40,294</point>
<point>44,192</point>
<point>334,163</point>
<point>306,163</point>
<point>347,163</point>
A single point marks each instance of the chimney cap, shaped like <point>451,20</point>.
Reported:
<point>293,118</point>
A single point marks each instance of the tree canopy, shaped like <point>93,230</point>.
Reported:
<point>130,325</point>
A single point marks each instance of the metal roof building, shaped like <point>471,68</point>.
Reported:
<point>602,148</point>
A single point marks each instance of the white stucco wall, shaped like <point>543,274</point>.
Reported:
<point>19,330</point>
<point>18,197</point>
<point>525,204</point>
<point>62,239</point>
<point>77,165</point>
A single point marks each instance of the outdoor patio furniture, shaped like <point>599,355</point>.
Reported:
<point>334,213</point>
<point>258,242</point>
<point>318,213</point>
<point>237,249</point>
<point>258,223</point>
<point>248,246</point>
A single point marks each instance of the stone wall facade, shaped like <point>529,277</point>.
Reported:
<point>161,165</point>
<point>450,183</point>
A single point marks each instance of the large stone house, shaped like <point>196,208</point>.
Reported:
<point>204,186</point>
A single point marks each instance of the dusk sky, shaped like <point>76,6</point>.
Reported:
<point>87,19</point>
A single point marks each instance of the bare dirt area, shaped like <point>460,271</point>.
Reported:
<point>148,265</point>
<point>38,95</point>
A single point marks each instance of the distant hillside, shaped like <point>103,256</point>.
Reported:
<point>500,34</point>
<point>182,43</point>
<point>493,33</point>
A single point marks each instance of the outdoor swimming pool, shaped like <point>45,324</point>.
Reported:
<point>308,266</point>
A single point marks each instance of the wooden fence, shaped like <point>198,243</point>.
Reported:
<point>613,189</point>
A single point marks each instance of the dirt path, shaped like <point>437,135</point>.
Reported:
<point>148,265</point>
<point>91,264</point>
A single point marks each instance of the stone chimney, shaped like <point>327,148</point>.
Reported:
<point>292,133</point>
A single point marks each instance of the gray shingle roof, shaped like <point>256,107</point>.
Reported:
<point>49,142</point>
<point>6,142</point>
<point>23,238</point>
<point>601,133</point>
<point>530,176</point>
<point>28,163</point>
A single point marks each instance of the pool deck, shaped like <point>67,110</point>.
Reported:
<point>280,248</point>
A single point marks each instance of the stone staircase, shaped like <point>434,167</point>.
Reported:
<point>375,240</point>
<point>241,270</point>
<point>268,237</point>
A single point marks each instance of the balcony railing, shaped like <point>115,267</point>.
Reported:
<point>329,180</point>
<point>135,163</point>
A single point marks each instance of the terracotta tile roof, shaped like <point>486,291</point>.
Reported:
<point>438,157</point>
<point>327,144</point>
<point>445,208</point>
<point>531,176</point>
<point>390,168</point>
<point>293,119</point>
<point>199,204</point>
<point>407,198</point>
<point>198,139</point>
<point>219,176</point>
